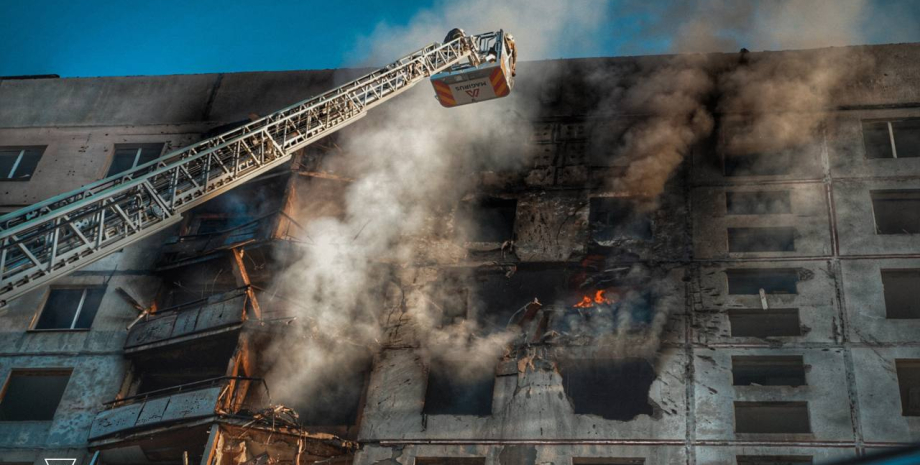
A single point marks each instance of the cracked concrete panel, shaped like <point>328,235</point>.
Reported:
<point>864,294</point>
<point>551,226</point>
<point>814,297</point>
<point>878,392</point>
<point>715,395</point>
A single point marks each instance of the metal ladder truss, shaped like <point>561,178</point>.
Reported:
<point>50,239</point>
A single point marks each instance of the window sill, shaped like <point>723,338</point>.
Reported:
<point>58,330</point>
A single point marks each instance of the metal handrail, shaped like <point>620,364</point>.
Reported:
<point>165,392</point>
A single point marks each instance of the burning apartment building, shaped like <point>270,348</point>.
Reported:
<point>700,259</point>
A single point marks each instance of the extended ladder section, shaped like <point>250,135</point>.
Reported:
<point>52,238</point>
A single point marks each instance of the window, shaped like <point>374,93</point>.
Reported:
<point>749,281</point>
<point>758,203</point>
<point>19,163</point>
<point>757,164</point>
<point>773,459</point>
<point>607,461</point>
<point>892,139</point>
<point>611,389</point>
<point>615,218</point>
<point>772,417</point>
<point>909,384</point>
<point>768,371</point>
<point>33,395</point>
<point>774,322</point>
<point>456,389</point>
<point>488,220</point>
<point>450,461</point>
<point>896,211</point>
<point>900,287</point>
<point>70,308</point>
<point>761,239</point>
<point>130,156</point>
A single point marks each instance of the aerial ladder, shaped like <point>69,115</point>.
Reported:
<point>50,239</point>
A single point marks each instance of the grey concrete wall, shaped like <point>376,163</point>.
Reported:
<point>879,397</point>
<point>865,303</point>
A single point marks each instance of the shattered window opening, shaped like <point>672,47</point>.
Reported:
<point>773,459</point>
<point>758,203</point>
<point>757,163</point>
<point>488,220</point>
<point>773,322</point>
<point>130,156</point>
<point>615,389</point>
<point>19,163</point>
<point>896,211</point>
<point>608,461</point>
<point>618,218</point>
<point>892,139</point>
<point>454,389</point>
<point>768,371</point>
<point>770,239</point>
<point>33,395</point>
<point>900,289</point>
<point>450,461</point>
<point>70,308</point>
<point>749,281</point>
<point>772,417</point>
<point>909,386</point>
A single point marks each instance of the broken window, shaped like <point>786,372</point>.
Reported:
<point>749,281</point>
<point>607,461</point>
<point>773,459</point>
<point>336,399</point>
<point>130,156</point>
<point>768,371</point>
<point>458,388</point>
<point>70,308</point>
<point>33,395</point>
<point>757,163</point>
<point>892,139</point>
<point>909,385</point>
<point>163,369</point>
<point>450,461</point>
<point>19,163</point>
<point>758,203</point>
<point>774,322</point>
<point>896,211</point>
<point>900,287</point>
<point>615,218</point>
<point>772,417</point>
<point>488,220</point>
<point>612,389</point>
<point>779,239</point>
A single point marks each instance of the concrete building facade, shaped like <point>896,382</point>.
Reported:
<point>758,308</point>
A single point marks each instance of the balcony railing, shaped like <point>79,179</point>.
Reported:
<point>187,402</point>
<point>191,318</point>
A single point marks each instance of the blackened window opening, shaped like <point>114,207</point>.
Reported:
<point>456,390</point>
<point>768,371</point>
<point>450,461</point>
<point>757,163</point>
<point>774,459</point>
<point>618,218</point>
<point>774,322</point>
<point>909,386</point>
<point>488,220</point>
<point>749,281</point>
<point>758,203</point>
<point>900,288</point>
<point>772,417</point>
<point>33,395</point>
<point>778,239</point>
<point>611,389</point>
<point>896,211</point>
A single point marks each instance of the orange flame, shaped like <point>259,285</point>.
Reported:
<point>600,297</point>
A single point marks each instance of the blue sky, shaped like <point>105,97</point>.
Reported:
<point>131,37</point>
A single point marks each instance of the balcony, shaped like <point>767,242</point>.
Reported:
<point>216,314</point>
<point>180,404</point>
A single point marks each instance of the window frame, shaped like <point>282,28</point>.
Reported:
<point>139,149</point>
<point>23,149</point>
<point>891,140</point>
<point>44,306</point>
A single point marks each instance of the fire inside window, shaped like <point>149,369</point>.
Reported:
<point>70,308</point>
<point>19,163</point>
<point>130,156</point>
<point>892,139</point>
